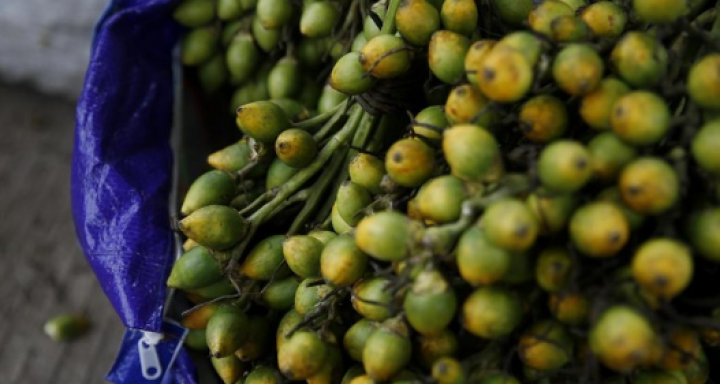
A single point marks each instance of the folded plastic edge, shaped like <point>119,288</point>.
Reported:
<point>182,372</point>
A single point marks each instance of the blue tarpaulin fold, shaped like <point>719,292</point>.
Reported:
<point>122,167</point>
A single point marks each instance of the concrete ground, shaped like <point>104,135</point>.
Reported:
<point>34,33</point>
<point>42,271</point>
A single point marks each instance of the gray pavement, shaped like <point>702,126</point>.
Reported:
<point>47,43</point>
<point>42,271</point>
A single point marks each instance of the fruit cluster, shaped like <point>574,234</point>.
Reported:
<point>457,191</point>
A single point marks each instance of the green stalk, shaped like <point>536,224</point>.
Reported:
<point>715,31</point>
<point>326,129</point>
<point>389,20</point>
<point>363,134</point>
<point>490,358</point>
<point>378,142</point>
<point>317,192</point>
<point>256,203</point>
<point>296,198</point>
<point>247,294</point>
<point>290,187</point>
<point>714,34</point>
<point>704,18</point>
<point>306,173</point>
<point>326,224</point>
<point>441,238</point>
<point>690,48</point>
<point>351,15</point>
<point>712,37</point>
<point>326,209</point>
<point>242,297</point>
<point>313,122</point>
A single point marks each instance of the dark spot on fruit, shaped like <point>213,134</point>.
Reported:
<point>619,111</point>
<point>661,281</point>
<point>489,74</point>
<point>479,45</point>
<point>397,157</point>
<point>581,163</point>
<point>611,20</point>
<point>634,190</point>
<point>522,231</point>
<point>557,266</point>
<point>443,368</point>
<point>461,91</point>
<point>583,86</point>
<point>283,145</point>
<point>614,237</point>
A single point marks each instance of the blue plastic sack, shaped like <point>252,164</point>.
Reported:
<point>122,177</point>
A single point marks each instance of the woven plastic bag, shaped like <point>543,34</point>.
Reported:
<point>121,183</point>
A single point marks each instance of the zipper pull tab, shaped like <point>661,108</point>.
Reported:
<point>149,361</point>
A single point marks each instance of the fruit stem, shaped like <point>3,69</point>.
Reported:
<point>488,359</point>
<point>351,15</point>
<point>302,195</point>
<point>389,19</point>
<point>715,31</point>
<point>441,238</point>
<point>218,299</point>
<point>317,192</point>
<point>709,39</point>
<point>326,209</point>
<point>328,127</point>
<point>327,223</point>
<point>272,278</point>
<point>247,293</point>
<point>247,168</point>
<point>323,308</point>
<point>381,203</point>
<point>259,150</point>
<point>306,173</point>
<point>360,140</point>
<point>362,136</point>
<point>321,118</point>
<point>706,17</point>
<point>287,189</point>
<point>471,206</point>
<point>377,142</point>
<point>244,185</point>
<point>261,199</point>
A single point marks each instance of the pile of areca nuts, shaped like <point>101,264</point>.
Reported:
<point>456,191</point>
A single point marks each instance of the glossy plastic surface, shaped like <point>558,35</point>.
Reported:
<point>122,172</point>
